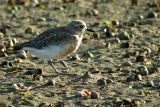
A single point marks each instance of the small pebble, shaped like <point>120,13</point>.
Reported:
<point>95,12</point>
<point>139,77</point>
<point>143,70</point>
<point>124,36</point>
<point>115,23</point>
<point>1,36</point>
<point>140,58</point>
<point>18,60</point>
<point>22,55</point>
<point>109,80</point>
<point>39,71</point>
<point>37,77</point>
<point>60,104</point>
<point>151,83</point>
<point>96,36</point>
<point>134,2</point>
<point>77,57</point>
<point>41,19</point>
<point>152,14</point>
<point>85,40</point>
<point>109,34</point>
<point>19,2</point>
<point>95,95</point>
<point>125,45</point>
<point>9,51</point>
<point>116,40</point>
<point>51,82</point>
<point>141,17</point>
<point>153,70</point>
<point>87,75</point>
<point>128,63</point>
<point>101,82</point>
<point>30,29</point>
<point>3,104</point>
<point>3,54</point>
<point>43,105</point>
<point>108,45</point>
<point>147,49</point>
<point>64,63</point>
<point>21,87</point>
<point>88,54</point>
<point>2,47</point>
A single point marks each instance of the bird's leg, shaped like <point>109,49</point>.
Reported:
<point>51,63</point>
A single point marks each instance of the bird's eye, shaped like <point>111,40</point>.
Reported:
<point>81,26</point>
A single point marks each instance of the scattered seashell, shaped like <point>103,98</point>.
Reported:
<point>85,93</point>
<point>21,87</point>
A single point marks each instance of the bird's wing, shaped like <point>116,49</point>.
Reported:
<point>51,36</point>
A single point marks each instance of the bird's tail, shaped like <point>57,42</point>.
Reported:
<point>19,46</point>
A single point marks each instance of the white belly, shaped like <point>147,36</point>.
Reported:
<point>50,52</point>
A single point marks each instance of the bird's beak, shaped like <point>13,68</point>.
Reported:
<point>90,30</point>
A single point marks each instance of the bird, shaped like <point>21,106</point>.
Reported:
<point>56,42</point>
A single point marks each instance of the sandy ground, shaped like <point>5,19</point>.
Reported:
<point>119,64</point>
